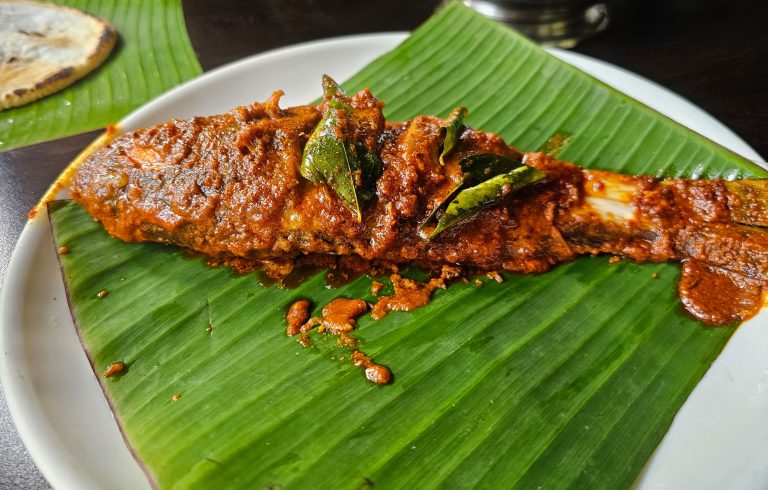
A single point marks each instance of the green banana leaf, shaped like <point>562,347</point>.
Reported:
<point>152,55</point>
<point>565,379</point>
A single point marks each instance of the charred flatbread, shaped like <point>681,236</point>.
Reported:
<point>45,47</point>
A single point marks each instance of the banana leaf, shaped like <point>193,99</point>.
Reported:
<point>153,54</point>
<point>565,379</point>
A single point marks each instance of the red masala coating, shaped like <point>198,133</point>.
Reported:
<point>229,186</point>
<point>375,373</point>
<point>114,369</point>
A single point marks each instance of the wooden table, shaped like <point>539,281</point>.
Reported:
<point>713,53</point>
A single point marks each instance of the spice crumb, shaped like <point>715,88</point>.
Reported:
<point>495,276</point>
<point>478,282</point>
<point>655,275</point>
<point>376,287</point>
<point>378,374</point>
<point>102,293</point>
<point>64,250</point>
<point>305,341</point>
<point>175,397</point>
<point>614,260</point>
<point>114,369</point>
<point>374,372</point>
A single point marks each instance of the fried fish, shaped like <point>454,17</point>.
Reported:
<point>267,183</point>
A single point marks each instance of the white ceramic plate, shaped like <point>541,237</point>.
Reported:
<point>718,439</point>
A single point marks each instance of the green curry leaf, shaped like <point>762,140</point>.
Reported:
<point>477,168</point>
<point>442,204</point>
<point>481,167</point>
<point>452,130</point>
<point>335,95</point>
<point>331,157</point>
<point>371,169</point>
<point>471,200</point>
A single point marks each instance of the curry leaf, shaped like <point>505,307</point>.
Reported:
<point>487,193</point>
<point>331,157</point>
<point>452,130</point>
<point>480,167</point>
<point>328,155</point>
<point>477,168</point>
<point>315,151</point>
<point>334,94</point>
<point>441,205</point>
<point>371,169</point>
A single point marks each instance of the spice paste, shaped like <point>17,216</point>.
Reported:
<point>408,295</point>
<point>718,296</point>
<point>339,318</point>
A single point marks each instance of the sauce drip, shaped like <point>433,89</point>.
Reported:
<point>375,373</point>
<point>339,318</point>
<point>376,287</point>
<point>298,315</point>
<point>114,369</point>
<point>408,295</point>
<point>556,143</point>
<point>718,296</point>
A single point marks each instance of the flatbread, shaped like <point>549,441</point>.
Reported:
<point>45,47</point>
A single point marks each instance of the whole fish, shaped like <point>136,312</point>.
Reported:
<point>279,184</point>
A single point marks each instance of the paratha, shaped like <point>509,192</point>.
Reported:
<point>46,47</point>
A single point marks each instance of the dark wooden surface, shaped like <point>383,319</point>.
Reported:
<point>713,53</point>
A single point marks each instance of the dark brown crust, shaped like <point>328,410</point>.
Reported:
<point>107,39</point>
<point>59,76</point>
<point>228,186</point>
